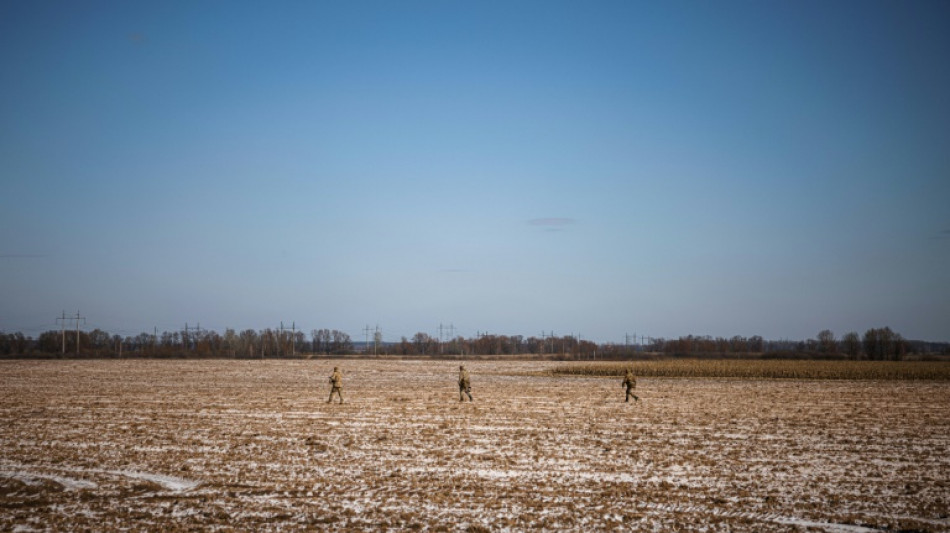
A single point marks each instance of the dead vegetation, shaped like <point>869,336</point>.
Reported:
<point>252,445</point>
<point>764,369</point>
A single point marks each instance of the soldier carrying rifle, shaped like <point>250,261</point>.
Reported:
<point>336,384</point>
<point>630,382</point>
<point>465,384</point>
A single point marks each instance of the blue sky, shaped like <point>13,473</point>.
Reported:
<point>595,168</point>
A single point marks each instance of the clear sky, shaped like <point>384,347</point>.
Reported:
<point>596,168</point>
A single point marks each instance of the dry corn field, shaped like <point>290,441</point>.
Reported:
<point>763,368</point>
<point>253,445</point>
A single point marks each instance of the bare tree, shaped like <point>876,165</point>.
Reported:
<point>341,342</point>
<point>880,344</point>
<point>851,343</point>
<point>422,341</point>
<point>826,342</point>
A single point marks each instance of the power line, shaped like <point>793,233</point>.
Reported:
<point>377,336</point>
<point>626,342</point>
<point>366,331</point>
<point>77,318</point>
<point>448,332</point>
<point>293,334</point>
<point>187,339</point>
<point>544,338</point>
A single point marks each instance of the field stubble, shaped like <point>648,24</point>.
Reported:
<point>253,445</point>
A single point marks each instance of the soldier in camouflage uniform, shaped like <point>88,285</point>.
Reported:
<point>630,382</point>
<point>465,385</point>
<point>336,384</point>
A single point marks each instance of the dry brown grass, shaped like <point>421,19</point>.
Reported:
<point>764,369</point>
<point>252,445</point>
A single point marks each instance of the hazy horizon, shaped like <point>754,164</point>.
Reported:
<point>595,169</point>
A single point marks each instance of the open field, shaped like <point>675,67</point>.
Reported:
<point>252,445</point>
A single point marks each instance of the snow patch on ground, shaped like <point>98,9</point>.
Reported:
<point>33,478</point>
<point>169,482</point>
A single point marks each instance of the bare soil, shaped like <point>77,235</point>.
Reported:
<point>253,445</point>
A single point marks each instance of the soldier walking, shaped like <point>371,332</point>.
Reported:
<point>465,385</point>
<point>630,382</point>
<point>336,384</point>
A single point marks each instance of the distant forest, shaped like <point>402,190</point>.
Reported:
<point>875,344</point>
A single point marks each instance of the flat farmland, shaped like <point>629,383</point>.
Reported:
<point>253,445</point>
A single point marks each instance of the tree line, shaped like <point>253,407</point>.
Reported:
<point>877,344</point>
<point>246,344</point>
<point>874,344</point>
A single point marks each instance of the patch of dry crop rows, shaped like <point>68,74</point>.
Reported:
<point>252,445</point>
<point>765,369</point>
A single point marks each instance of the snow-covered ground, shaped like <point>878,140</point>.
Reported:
<point>253,445</point>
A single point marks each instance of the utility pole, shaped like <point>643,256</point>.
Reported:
<point>448,331</point>
<point>187,342</point>
<point>440,338</point>
<point>451,332</point>
<point>544,339</point>
<point>77,330</point>
<point>377,337</point>
<point>197,335</point>
<point>626,342</point>
<point>63,319</point>
<point>480,336</point>
<point>293,334</point>
<point>77,318</point>
<point>366,331</point>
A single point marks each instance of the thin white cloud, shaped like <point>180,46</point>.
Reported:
<point>555,222</point>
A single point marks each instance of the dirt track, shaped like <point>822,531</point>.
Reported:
<point>252,445</point>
